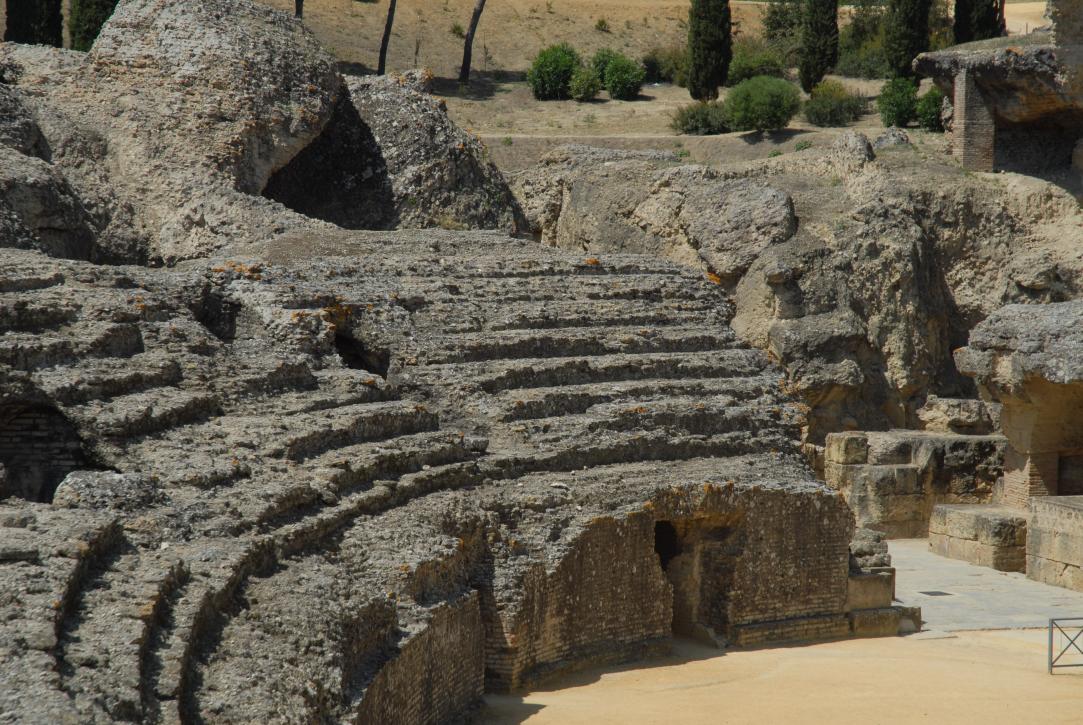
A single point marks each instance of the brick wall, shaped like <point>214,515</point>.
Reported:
<point>974,130</point>
<point>437,676</point>
<point>38,447</point>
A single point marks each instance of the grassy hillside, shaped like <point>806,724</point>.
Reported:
<point>511,30</point>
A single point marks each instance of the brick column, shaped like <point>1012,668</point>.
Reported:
<point>974,130</point>
<point>1067,17</point>
<point>65,13</point>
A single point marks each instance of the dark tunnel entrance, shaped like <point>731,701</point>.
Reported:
<point>38,448</point>
<point>358,356</point>
<point>667,544</point>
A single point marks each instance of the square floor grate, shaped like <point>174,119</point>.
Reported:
<point>937,593</point>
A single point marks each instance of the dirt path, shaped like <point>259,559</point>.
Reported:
<point>1024,17</point>
<point>974,677</point>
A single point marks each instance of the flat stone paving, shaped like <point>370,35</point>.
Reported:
<point>975,597</point>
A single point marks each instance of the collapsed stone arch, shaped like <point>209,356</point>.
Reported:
<point>39,446</point>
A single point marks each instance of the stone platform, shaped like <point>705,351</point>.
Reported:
<point>993,536</point>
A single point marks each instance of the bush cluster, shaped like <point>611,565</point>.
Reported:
<point>585,84</point>
<point>833,104</point>
<point>667,65</point>
<point>928,110</point>
<point>762,103</point>
<point>559,73</point>
<point>897,103</point>
<point>700,119</point>
<point>754,58</point>
<point>624,78</point>
<point>550,75</point>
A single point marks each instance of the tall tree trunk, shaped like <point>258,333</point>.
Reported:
<point>468,44</point>
<point>299,8</point>
<point>387,37</point>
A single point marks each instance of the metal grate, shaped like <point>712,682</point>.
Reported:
<point>1070,640</point>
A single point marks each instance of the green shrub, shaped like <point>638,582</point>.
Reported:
<point>550,74</point>
<point>623,78</point>
<point>928,110</point>
<point>600,61</point>
<point>868,60</point>
<point>667,65</point>
<point>87,19</point>
<point>761,104</point>
<point>782,19</point>
<point>585,84</point>
<point>833,104</point>
<point>897,102</point>
<point>700,119</point>
<point>802,146</point>
<point>753,58</point>
<point>602,26</point>
<point>457,30</point>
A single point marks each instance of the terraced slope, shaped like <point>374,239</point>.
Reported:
<point>370,487</point>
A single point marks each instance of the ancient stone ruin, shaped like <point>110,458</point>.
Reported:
<point>264,459</point>
<point>1017,102</point>
<point>1029,360</point>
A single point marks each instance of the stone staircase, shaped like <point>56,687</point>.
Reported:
<point>326,541</point>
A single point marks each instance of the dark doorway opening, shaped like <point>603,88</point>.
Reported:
<point>38,448</point>
<point>358,356</point>
<point>34,22</point>
<point>667,544</point>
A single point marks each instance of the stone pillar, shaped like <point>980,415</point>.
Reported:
<point>974,131</point>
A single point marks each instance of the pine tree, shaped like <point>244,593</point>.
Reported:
<point>710,47</point>
<point>86,21</point>
<point>907,34</point>
<point>36,22</point>
<point>819,41</point>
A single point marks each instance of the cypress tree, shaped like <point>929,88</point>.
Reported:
<point>985,20</point>
<point>907,34</point>
<point>819,41</point>
<point>87,19</point>
<point>961,24</point>
<point>34,22</point>
<point>709,47</point>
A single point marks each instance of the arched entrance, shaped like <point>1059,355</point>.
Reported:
<point>38,448</point>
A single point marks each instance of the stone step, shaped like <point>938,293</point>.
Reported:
<point>145,413</point>
<point>30,351</point>
<point>526,404</point>
<point>310,434</point>
<point>459,317</point>
<point>690,416</point>
<point>104,378</point>
<point>501,375</point>
<point>573,342</point>
<point>29,311</point>
<point>103,647</point>
<point>646,288</point>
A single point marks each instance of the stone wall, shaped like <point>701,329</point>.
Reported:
<point>38,447</point>
<point>1055,541</point>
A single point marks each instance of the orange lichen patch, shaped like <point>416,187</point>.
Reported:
<point>371,382</point>
<point>404,568</point>
<point>248,271</point>
<point>337,314</point>
<point>638,410</point>
<point>592,261</point>
<point>713,278</point>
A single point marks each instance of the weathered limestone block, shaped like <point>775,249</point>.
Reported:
<point>993,536</point>
<point>959,415</point>
<point>893,479</point>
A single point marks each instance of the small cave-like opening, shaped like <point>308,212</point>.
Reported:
<point>358,356</point>
<point>667,543</point>
<point>341,177</point>
<point>38,448</point>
